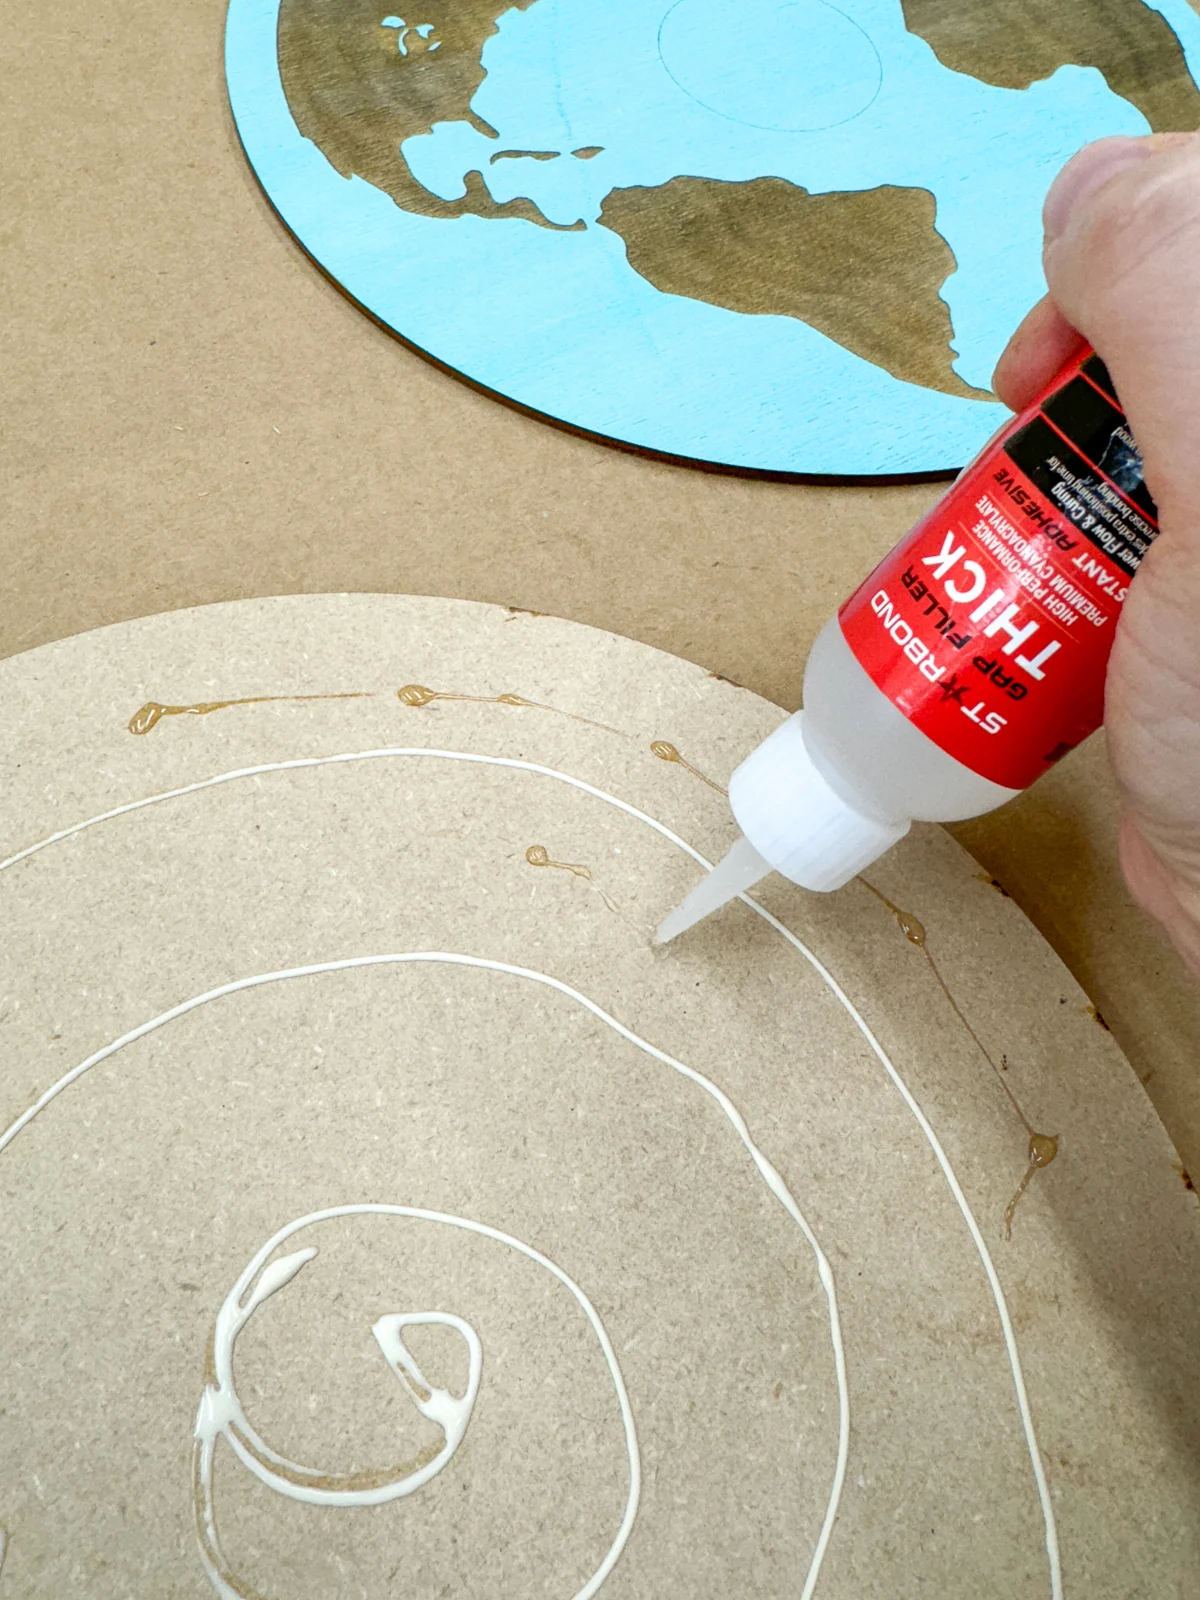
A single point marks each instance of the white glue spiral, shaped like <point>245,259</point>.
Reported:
<point>220,1414</point>
<point>535,769</point>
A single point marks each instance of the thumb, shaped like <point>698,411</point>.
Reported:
<point>1123,266</point>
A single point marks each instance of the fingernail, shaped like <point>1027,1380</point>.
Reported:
<point>1087,173</point>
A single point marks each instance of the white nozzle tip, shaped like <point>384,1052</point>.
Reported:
<point>737,872</point>
<point>671,926</point>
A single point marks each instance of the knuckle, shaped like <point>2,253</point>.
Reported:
<point>1145,226</point>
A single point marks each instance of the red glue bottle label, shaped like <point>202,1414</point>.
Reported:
<point>991,624</point>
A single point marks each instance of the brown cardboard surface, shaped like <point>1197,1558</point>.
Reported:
<point>520,1054</point>
<point>192,413</point>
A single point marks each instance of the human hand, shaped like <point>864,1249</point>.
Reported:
<point>1122,258</point>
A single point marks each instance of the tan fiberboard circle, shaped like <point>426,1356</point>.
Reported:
<point>790,1355</point>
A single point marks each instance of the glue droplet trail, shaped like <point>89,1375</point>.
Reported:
<point>741,869</point>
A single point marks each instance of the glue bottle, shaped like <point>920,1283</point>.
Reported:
<point>970,661</point>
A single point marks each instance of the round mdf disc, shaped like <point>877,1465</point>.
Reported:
<point>778,235</point>
<point>381,1208</point>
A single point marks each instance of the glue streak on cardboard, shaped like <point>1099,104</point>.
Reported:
<point>220,1413</point>
<point>970,661</point>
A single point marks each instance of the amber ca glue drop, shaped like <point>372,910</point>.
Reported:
<point>969,662</point>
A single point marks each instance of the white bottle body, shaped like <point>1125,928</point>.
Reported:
<point>833,788</point>
<point>1033,537</point>
<point>871,754</point>
<point>840,782</point>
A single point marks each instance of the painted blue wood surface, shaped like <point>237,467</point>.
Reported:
<point>560,323</point>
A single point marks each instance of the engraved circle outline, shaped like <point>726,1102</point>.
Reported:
<point>775,127</point>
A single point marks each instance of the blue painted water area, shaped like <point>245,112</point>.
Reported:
<point>828,97</point>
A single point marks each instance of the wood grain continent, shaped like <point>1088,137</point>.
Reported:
<point>1013,43</point>
<point>354,94</point>
<point>864,267</point>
